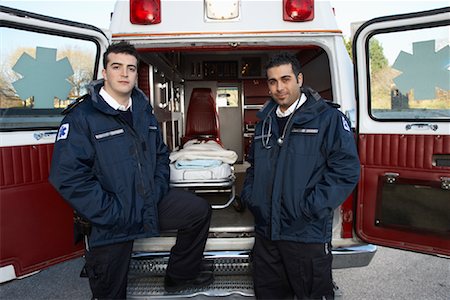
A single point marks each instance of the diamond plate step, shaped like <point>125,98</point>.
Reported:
<point>232,273</point>
<point>222,266</point>
<point>153,287</point>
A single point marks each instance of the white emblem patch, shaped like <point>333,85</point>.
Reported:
<point>63,132</point>
<point>345,124</point>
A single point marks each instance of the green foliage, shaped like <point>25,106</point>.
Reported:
<point>381,74</point>
<point>348,46</point>
<point>377,59</point>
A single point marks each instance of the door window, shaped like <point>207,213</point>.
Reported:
<point>409,74</point>
<point>40,75</point>
<point>227,96</point>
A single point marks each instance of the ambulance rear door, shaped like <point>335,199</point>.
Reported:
<point>46,64</point>
<point>403,126</point>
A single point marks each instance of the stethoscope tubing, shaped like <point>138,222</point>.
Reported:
<point>265,138</point>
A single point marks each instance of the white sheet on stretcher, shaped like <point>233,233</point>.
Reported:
<point>220,172</point>
<point>195,149</point>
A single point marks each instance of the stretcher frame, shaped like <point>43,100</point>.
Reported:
<point>223,185</point>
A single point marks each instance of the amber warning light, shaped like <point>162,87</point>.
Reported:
<point>298,10</point>
<point>145,12</point>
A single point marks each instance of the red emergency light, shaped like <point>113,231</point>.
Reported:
<point>145,12</point>
<point>298,10</point>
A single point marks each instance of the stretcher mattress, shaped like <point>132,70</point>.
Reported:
<point>217,173</point>
<point>197,149</point>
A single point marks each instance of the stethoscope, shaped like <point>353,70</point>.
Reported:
<point>267,122</point>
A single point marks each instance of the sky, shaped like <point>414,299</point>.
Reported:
<point>97,12</point>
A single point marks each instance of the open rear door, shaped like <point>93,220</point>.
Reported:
<point>403,88</point>
<point>46,63</point>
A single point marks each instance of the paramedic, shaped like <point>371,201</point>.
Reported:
<point>111,165</point>
<point>303,165</point>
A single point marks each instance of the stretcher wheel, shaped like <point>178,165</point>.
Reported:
<point>238,205</point>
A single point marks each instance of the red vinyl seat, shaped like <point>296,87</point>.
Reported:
<point>202,119</point>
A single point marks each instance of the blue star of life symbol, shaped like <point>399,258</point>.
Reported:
<point>63,132</point>
<point>44,77</point>
<point>424,70</point>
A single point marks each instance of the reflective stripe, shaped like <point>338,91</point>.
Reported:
<point>305,130</point>
<point>109,133</point>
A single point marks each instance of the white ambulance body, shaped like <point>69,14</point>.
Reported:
<point>403,135</point>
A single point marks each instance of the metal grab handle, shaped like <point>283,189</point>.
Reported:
<point>422,126</point>
<point>45,135</point>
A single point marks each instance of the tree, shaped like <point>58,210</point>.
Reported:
<point>83,67</point>
<point>8,96</point>
<point>377,59</point>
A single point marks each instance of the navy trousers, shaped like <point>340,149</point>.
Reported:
<point>107,266</point>
<point>292,270</point>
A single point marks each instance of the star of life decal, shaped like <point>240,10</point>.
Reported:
<point>63,132</point>
<point>345,124</point>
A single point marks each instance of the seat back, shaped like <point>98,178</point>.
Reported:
<point>202,119</point>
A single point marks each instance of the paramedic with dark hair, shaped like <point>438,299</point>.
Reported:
<point>111,165</point>
<point>303,165</point>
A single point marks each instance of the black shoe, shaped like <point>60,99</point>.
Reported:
<point>175,285</point>
<point>207,266</point>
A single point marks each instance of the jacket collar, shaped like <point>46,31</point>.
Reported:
<point>313,107</point>
<point>140,100</point>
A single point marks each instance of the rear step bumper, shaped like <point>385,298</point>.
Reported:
<point>353,257</point>
<point>232,272</point>
<point>232,276</point>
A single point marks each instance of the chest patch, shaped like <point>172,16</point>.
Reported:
<point>305,130</point>
<point>109,133</point>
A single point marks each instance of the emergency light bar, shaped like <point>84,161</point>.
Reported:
<point>298,10</point>
<point>145,12</point>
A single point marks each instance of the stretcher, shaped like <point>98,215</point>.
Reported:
<point>203,164</point>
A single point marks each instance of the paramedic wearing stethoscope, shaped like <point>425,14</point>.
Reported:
<point>303,165</point>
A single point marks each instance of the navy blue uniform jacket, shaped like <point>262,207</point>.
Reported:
<point>112,174</point>
<point>293,189</point>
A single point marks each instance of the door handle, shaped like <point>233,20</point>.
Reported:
<point>421,126</point>
<point>45,135</point>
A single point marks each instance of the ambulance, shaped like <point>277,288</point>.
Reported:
<point>395,90</point>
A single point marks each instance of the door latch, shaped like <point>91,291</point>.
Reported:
<point>445,183</point>
<point>391,177</point>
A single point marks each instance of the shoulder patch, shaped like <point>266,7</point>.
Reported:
<point>345,124</point>
<point>63,132</point>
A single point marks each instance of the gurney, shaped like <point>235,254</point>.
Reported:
<point>202,164</point>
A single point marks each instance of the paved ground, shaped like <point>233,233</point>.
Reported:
<point>393,274</point>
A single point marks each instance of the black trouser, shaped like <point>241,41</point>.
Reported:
<point>284,269</point>
<point>107,266</point>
